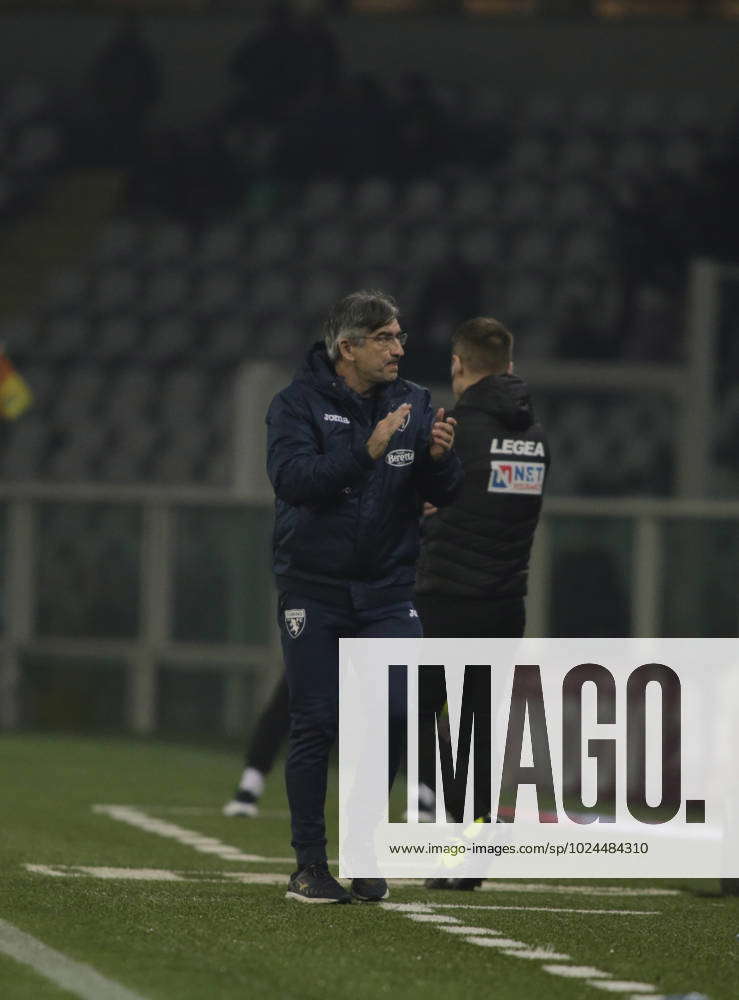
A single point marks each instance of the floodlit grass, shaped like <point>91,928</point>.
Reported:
<point>201,939</point>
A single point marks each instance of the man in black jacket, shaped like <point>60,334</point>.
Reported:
<point>352,449</point>
<point>473,570</point>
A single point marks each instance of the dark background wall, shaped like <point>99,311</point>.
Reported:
<point>520,58</point>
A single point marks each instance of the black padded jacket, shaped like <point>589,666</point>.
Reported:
<point>479,546</point>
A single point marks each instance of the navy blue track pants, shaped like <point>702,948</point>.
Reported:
<point>310,632</point>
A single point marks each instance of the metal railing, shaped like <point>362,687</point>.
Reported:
<point>646,522</point>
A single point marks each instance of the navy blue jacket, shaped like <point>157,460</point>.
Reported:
<point>347,526</point>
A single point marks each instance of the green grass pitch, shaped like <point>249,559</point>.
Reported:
<point>207,936</point>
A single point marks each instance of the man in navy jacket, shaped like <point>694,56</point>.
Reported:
<point>353,451</point>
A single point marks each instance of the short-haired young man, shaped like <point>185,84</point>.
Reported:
<point>473,569</point>
<point>352,450</point>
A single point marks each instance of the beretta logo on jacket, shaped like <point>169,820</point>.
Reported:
<point>400,457</point>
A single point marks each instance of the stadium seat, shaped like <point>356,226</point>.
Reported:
<point>182,396</point>
<point>78,395</point>
<point>531,158</point>
<point>36,148</point>
<point>167,289</point>
<point>641,114</point>
<point>545,114</point>
<point>424,200</point>
<point>427,245</point>
<point>129,454</point>
<point>572,203</point>
<point>591,114</point>
<point>63,339</point>
<point>169,339</point>
<point>119,243</point>
<point>480,246</point>
<point>24,448</point>
<point>523,203</point>
<point>217,293</point>
<point>129,394</point>
<point>683,156</point>
<point>65,292</point>
<point>24,100</point>
<point>219,244</point>
<point>168,244</point>
<point>20,335</point>
<point>579,158</point>
<point>225,341</point>
<point>526,300</point>
<point>373,201</point>
<point>473,201</point>
<point>533,250</point>
<point>272,245</point>
<point>322,201</point>
<point>632,157</point>
<point>273,290</point>
<point>115,339</point>
<point>116,289</point>
<point>376,247</point>
<point>321,288</point>
<point>328,245</point>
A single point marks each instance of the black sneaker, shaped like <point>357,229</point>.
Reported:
<point>316,884</point>
<point>370,890</point>
<point>460,884</point>
<point>242,804</point>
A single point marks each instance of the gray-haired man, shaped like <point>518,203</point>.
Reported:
<point>352,451</point>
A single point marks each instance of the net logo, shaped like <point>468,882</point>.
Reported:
<point>516,477</point>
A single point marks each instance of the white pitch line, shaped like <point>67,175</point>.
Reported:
<point>556,890</point>
<point>576,971</point>
<point>496,942</point>
<point>575,890</point>
<point>538,955</point>
<point>198,841</point>
<point>549,909</point>
<point>408,907</point>
<point>473,931</point>
<point>432,918</point>
<point>213,811</point>
<point>76,977</point>
<point>621,986</point>
<point>490,938</point>
<point>275,878</point>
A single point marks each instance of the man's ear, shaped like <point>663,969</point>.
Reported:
<point>509,370</point>
<point>346,350</point>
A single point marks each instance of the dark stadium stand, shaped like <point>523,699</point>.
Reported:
<point>143,341</point>
<point>31,144</point>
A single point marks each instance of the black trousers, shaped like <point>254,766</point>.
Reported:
<point>310,632</point>
<point>271,730</point>
<point>445,617</point>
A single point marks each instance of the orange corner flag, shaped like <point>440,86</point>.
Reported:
<point>15,393</point>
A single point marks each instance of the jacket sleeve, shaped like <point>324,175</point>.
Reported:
<point>299,470</point>
<point>440,481</point>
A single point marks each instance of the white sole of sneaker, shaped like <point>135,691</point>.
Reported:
<point>308,899</point>
<point>236,808</point>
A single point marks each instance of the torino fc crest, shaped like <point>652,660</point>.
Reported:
<point>295,621</point>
